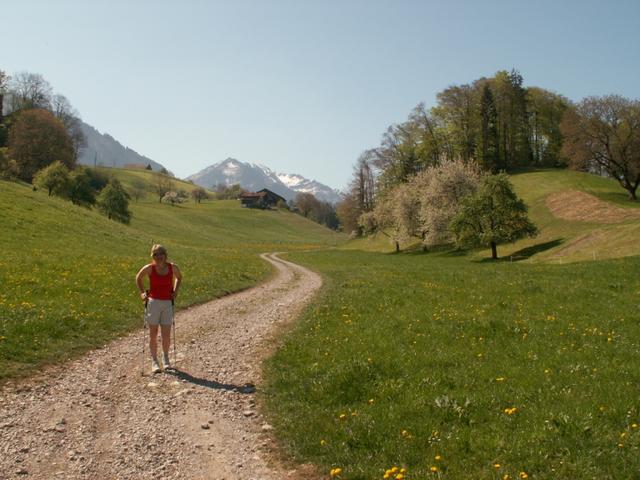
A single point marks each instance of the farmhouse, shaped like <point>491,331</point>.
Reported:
<point>261,199</point>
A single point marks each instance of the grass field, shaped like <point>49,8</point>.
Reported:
<point>68,272</point>
<point>457,369</point>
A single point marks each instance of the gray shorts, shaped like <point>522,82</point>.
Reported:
<point>159,312</point>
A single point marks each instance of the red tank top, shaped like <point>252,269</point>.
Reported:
<point>161,286</point>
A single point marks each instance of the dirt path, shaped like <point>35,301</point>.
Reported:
<point>98,418</point>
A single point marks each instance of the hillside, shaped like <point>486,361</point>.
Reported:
<point>102,149</point>
<point>67,272</point>
<point>580,217</point>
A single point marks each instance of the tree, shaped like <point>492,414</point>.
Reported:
<point>489,142</point>
<point>4,82</point>
<point>603,134</point>
<point>55,178</point>
<point>198,194</point>
<point>546,110</point>
<point>161,185</point>
<point>458,108</point>
<point>8,166</point>
<point>148,167</point>
<point>231,192</point>
<point>62,109</point>
<point>113,201</point>
<point>441,191</point>
<point>138,188</point>
<point>38,139</point>
<point>492,216</point>
<point>80,190</point>
<point>306,203</point>
<point>28,91</point>
<point>175,197</point>
<point>348,212</point>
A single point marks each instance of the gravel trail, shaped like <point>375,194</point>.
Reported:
<point>97,418</point>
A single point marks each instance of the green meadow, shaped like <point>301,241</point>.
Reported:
<point>452,366</point>
<point>68,272</point>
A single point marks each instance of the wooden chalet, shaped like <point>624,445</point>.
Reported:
<point>264,198</point>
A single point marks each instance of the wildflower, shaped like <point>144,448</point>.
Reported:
<point>323,442</point>
<point>500,379</point>
<point>343,416</point>
<point>634,425</point>
<point>371,401</point>
<point>335,472</point>
<point>400,476</point>
<point>506,476</point>
<point>523,475</point>
<point>496,465</point>
<point>434,469</point>
<point>438,457</point>
<point>510,411</point>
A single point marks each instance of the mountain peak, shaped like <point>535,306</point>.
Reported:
<point>254,177</point>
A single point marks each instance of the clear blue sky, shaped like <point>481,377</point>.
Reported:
<point>302,86</point>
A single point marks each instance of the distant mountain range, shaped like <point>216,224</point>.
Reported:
<point>103,150</point>
<point>256,177</point>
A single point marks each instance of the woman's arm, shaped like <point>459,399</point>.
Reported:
<point>144,272</point>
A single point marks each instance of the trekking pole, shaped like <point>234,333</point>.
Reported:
<point>173,320</point>
<point>144,331</point>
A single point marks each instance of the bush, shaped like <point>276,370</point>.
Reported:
<point>113,201</point>
<point>54,178</point>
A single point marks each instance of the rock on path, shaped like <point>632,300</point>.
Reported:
<point>98,418</point>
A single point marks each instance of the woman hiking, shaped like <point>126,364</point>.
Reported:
<point>164,282</point>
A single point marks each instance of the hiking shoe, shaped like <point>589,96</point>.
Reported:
<point>165,361</point>
<point>155,366</point>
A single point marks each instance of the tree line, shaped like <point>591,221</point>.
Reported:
<point>490,125</point>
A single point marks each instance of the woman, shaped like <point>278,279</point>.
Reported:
<point>164,282</point>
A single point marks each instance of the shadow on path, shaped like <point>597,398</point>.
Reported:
<point>247,388</point>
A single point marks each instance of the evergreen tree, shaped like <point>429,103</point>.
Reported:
<point>489,130</point>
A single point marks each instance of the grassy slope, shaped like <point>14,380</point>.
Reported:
<point>608,241</point>
<point>68,272</point>
<point>424,354</point>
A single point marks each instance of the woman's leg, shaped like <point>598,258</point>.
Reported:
<point>153,340</point>
<point>165,332</point>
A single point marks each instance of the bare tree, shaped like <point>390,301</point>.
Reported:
<point>4,82</point>
<point>162,185</point>
<point>29,90</point>
<point>604,133</point>
<point>69,116</point>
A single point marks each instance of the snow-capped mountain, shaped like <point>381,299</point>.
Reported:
<point>255,177</point>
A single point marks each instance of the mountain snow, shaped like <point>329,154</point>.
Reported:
<point>255,177</point>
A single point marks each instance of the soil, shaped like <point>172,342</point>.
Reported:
<point>97,417</point>
<point>580,206</point>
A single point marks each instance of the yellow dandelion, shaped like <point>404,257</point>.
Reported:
<point>500,379</point>
<point>434,469</point>
<point>335,472</point>
<point>343,416</point>
<point>438,457</point>
<point>323,442</point>
<point>496,465</point>
<point>371,401</point>
<point>400,476</point>
<point>523,475</point>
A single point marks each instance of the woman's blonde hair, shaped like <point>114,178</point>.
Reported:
<point>157,248</point>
